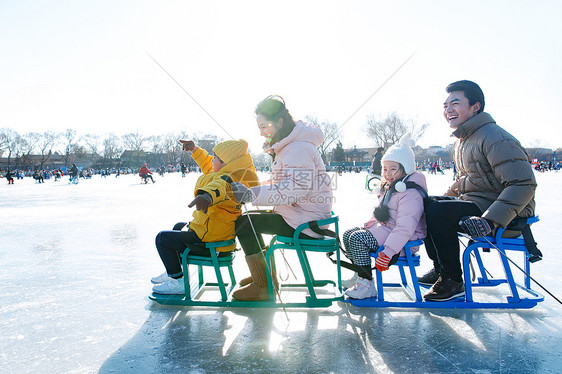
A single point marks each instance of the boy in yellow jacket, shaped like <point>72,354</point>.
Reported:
<point>216,210</point>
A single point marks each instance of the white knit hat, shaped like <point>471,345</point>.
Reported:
<point>402,153</point>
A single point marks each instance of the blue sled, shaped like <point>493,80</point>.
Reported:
<point>520,296</point>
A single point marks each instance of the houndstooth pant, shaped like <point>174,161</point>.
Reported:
<point>359,243</point>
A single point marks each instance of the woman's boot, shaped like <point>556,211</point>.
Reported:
<point>245,281</point>
<point>257,290</point>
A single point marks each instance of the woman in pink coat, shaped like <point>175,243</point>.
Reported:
<point>300,190</point>
<point>398,219</point>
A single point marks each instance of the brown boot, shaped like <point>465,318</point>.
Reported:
<point>257,290</point>
<point>245,281</point>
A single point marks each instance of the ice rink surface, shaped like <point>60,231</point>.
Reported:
<point>75,268</point>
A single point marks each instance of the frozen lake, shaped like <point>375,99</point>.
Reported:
<point>76,262</point>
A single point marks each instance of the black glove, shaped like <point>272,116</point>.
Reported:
<point>202,202</point>
<point>476,227</point>
<point>242,194</point>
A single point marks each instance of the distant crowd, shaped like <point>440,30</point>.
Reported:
<point>546,166</point>
<point>85,173</point>
<point>432,167</point>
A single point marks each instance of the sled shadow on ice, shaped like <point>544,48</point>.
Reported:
<point>350,340</point>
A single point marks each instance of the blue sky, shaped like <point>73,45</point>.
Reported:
<point>84,65</point>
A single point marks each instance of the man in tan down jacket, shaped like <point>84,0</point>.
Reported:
<point>494,184</point>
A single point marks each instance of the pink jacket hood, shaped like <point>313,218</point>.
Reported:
<point>303,132</point>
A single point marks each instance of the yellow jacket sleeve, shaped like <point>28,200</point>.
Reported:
<point>217,188</point>
<point>204,160</point>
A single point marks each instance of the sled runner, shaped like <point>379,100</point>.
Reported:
<point>519,295</point>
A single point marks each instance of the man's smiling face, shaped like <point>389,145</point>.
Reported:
<point>457,110</point>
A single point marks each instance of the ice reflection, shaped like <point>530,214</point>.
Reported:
<point>235,326</point>
<point>327,322</point>
<point>275,341</point>
<point>463,330</point>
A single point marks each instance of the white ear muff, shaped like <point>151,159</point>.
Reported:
<point>400,186</point>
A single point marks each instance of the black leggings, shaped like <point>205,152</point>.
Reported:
<point>442,243</point>
<point>172,243</point>
<point>264,222</point>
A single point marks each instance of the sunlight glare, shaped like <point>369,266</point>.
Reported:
<point>463,330</point>
<point>297,321</point>
<point>236,324</point>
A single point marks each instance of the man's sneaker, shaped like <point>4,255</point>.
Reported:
<point>170,287</point>
<point>364,289</point>
<point>429,278</point>
<point>444,289</point>
<point>160,279</point>
<point>349,283</point>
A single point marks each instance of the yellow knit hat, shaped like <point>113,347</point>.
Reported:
<point>230,150</point>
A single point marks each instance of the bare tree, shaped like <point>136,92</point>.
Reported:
<point>69,142</point>
<point>111,147</point>
<point>28,142</point>
<point>156,143</point>
<point>389,130</point>
<point>92,143</point>
<point>134,141</point>
<point>46,143</point>
<point>9,141</point>
<point>331,135</point>
<point>172,147</point>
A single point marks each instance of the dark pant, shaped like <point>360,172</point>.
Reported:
<point>171,244</point>
<point>264,222</point>
<point>442,243</point>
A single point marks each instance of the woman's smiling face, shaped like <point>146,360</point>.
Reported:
<point>268,128</point>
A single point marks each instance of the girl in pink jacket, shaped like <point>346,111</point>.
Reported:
<point>398,219</point>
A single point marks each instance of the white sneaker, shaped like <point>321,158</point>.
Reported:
<point>349,283</point>
<point>364,289</point>
<point>170,287</point>
<point>160,279</point>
